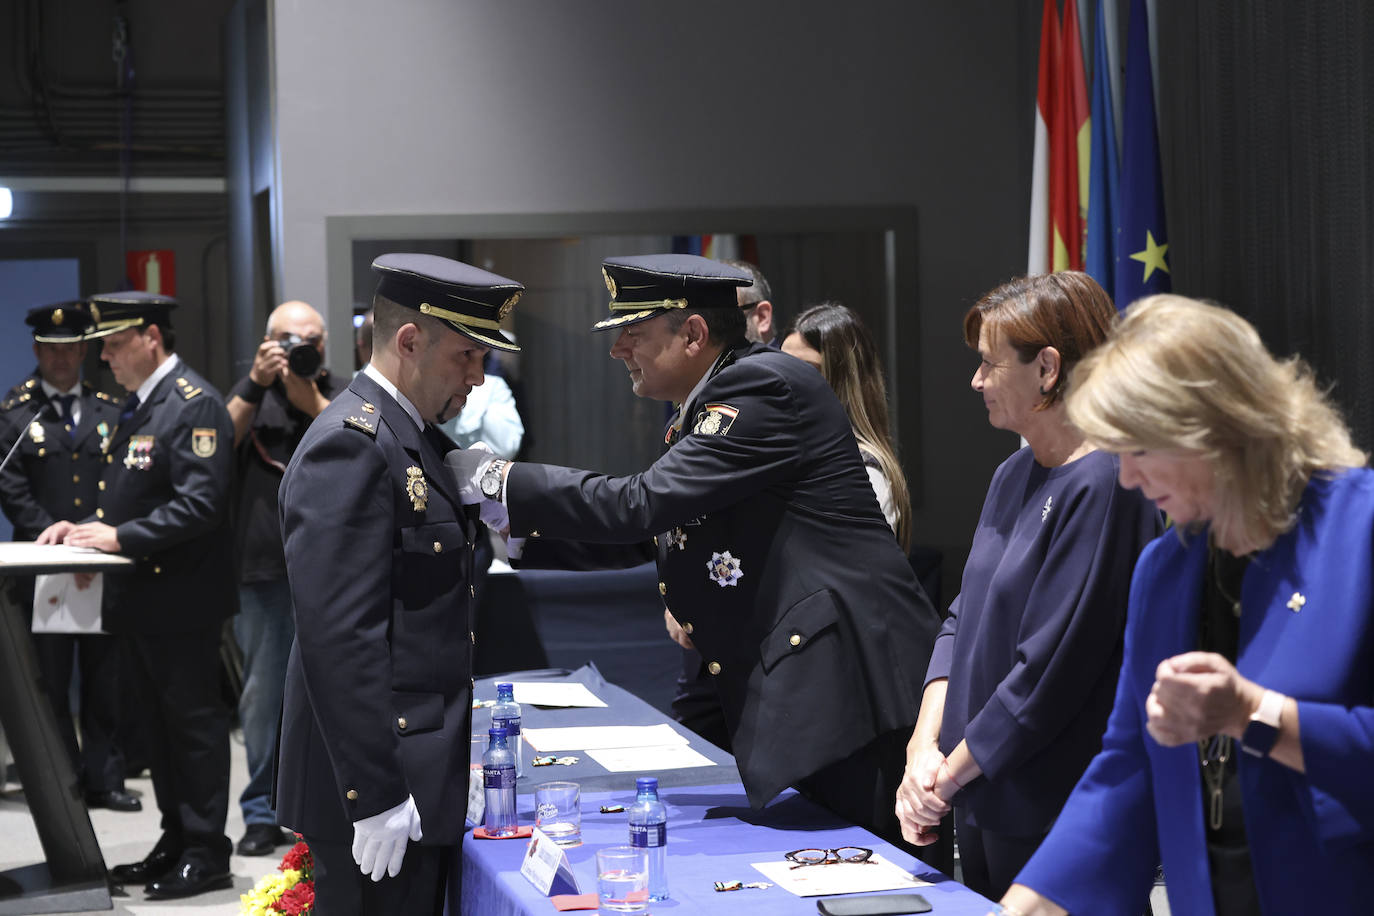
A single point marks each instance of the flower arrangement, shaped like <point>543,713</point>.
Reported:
<point>290,893</point>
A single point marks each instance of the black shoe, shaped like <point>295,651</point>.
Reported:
<point>187,880</point>
<point>114,799</point>
<point>157,863</point>
<point>261,839</point>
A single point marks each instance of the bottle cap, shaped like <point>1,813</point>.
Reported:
<point>646,782</point>
<point>497,732</point>
<point>505,690</point>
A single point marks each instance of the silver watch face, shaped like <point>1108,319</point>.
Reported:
<point>491,480</point>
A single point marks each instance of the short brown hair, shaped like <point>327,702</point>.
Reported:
<point>1065,310</point>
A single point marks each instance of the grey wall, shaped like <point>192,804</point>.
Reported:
<point>437,107</point>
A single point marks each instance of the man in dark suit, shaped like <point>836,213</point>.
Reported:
<point>373,755</point>
<point>772,552</point>
<point>163,500</point>
<point>61,424</point>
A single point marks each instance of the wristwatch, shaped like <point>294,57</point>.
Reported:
<point>493,478</point>
<point>1263,731</point>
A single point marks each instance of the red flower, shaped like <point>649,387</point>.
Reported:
<point>298,858</point>
<point>298,901</point>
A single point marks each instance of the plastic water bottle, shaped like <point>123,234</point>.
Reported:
<point>506,714</point>
<point>649,831</point>
<point>498,778</point>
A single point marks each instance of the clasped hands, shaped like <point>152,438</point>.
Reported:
<point>1197,695</point>
<point>379,841</point>
<point>923,798</point>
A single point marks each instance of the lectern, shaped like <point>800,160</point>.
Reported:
<point>73,876</point>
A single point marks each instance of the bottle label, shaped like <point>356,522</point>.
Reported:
<point>498,777</point>
<point>511,725</point>
<point>648,835</point>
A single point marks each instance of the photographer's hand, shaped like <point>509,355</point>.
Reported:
<point>269,363</point>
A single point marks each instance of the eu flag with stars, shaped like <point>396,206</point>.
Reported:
<point>1142,244</point>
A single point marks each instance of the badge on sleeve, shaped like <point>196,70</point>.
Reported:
<point>416,488</point>
<point>204,441</point>
<point>715,419</point>
<point>724,569</point>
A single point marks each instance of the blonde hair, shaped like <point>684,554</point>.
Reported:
<point>1181,375</point>
<point>850,363</point>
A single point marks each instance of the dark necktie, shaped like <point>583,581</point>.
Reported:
<point>130,406</point>
<point>64,407</point>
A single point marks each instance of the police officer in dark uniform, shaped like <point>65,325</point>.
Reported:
<point>373,754</point>
<point>163,500</point>
<point>772,551</point>
<point>62,423</point>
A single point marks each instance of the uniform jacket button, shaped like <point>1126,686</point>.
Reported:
<point>663,588</point>
<point>77,501</point>
<point>99,513</point>
<point>401,723</point>
<point>795,640</point>
<point>101,485</point>
<point>438,548</point>
<point>472,636</point>
<point>76,478</point>
<point>351,794</point>
<point>157,570</point>
<point>687,628</point>
<point>472,590</point>
<point>714,667</point>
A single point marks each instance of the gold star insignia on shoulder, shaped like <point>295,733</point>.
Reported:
<point>31,383</point>
<point>188,390</point>
<point>363,424</point>
<point>1297,602</point>
<point>368,408</point>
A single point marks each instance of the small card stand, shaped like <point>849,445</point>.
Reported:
<point>546,866</point>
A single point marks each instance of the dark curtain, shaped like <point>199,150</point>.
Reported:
<point>1266,116</point>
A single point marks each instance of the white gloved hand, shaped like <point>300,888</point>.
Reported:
<point>379,841</point>
<point>467,466</point>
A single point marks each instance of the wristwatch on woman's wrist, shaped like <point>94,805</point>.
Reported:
<point>1262,732</point>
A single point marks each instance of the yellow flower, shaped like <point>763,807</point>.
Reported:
<point>267,891</point>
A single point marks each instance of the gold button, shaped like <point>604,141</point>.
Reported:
<point>663,588</point>
<point>157,570</point>
<point>472,636</point>
<point>100,484</point>
<point>76,478</point>
<point>472,590</point>
<point>714,667</point>
<point>655,540</point>
<point>75,456</point>
<point>352,794</point>
<point>77,501</point>
<point>687,628</point>
<point>795,640</point>
<point>109,459</point>
<point>438,548</point>
<point>401,723</point>
<point>42,452</point>
<point>99,513</point>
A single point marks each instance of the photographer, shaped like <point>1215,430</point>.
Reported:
<point>272,407</point>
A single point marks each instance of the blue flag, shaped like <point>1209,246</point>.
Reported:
<point>1104,166</point>
<point>1142,245</point>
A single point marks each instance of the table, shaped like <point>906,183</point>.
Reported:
<point>713,833</point>
<point>73,877</point>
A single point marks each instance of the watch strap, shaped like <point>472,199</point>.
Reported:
<point>1262,732</point>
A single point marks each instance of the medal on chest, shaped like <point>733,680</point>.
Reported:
<point>103,429</point>
<point>36,433</point>
<point>724,569</point>
<point>416,488</point>
<point>140,454</point>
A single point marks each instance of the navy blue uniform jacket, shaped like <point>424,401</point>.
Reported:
<point>52,477</point>
<point>165,488</point>
<point>773,551</point>
<point>379,683</point>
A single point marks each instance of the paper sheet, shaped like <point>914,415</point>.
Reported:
<point>842,878</point>
<point>545,693</point>
<point>645,759</point>
<point>60,607</point>
<point>21,554</point>
<point>587,738</point>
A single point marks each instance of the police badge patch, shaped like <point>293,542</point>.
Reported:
<point>715,419</point>
<point>204,441</point>
<point>416,488</point>
<point>724,569</point>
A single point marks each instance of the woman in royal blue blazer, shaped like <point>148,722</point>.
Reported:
<point>1241,744</point>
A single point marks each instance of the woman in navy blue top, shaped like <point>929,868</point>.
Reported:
<point>1024,670</point>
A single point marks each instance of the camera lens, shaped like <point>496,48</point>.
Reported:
<point>304,360</point>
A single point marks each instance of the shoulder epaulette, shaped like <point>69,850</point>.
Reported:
<point>107,397</point>
<point>188,390</point>
<point>363,424</point>
<point>15,401</point>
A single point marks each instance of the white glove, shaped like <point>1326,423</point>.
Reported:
<point>467,466</point>
<point>379,841</point>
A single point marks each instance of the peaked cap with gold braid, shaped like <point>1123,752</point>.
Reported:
<point>646,286</point>
<point>469,300</point>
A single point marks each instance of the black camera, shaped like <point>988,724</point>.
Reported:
<point>301,355</point>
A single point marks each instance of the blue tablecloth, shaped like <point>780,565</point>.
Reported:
<point>713,833</point>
